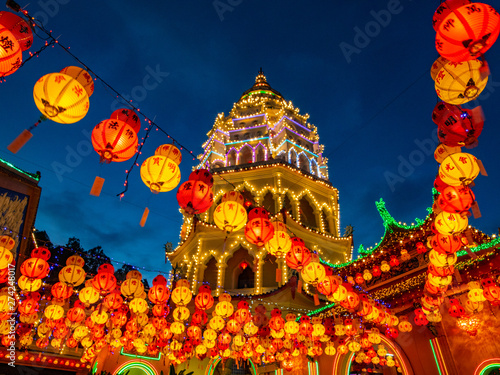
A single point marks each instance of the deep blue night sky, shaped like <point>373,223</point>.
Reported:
<point>372,107</point>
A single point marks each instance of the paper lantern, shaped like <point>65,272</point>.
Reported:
<point>384,266</point>
<point>160,173</point>
<point>114,141</point>
<point>134,274</point>
<point>61,290</point>
<point>171,152</point>
<point>298,256</point>
<point>313,273</point>
<point>104,282</point>
<point>81,76</point>
<point>10,52</point>
<point>328,285</point>
<point>459,83</point>
<point>456,199</point>
<point>138,305</point>
<point>224,309</point>
<point>76,314</point>
<point>195,197</point>
<point>158,294</point>
<point>61,98</point>
<point>204,301</point>
<point>259,229</point>
<point>29,285</point>
<point>467,32</point>
<point>457,126</point>
<point>88,295</point>
<point>438,280</point>
<point>445,244</point>
<point>442,151</point>
<point>351,301</point>
<point>280,243</point>
<point>448,223</point>
<point>230,216</point>
<point>181,313</point>
<point>19,29</point>
<point>54,312</point>
<point>6,257</point>
<point>129,117</point>
<point>181,295</point>
<point>35,268</point>
<point>442,260</point>
<point>72,275</point>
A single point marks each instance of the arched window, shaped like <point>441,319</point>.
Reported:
<point>246,155</point>
<point>210,274</point>
<point>307,216</point>
<point>293,158</point>
<point>231,158</point>
<point>287,204</point>
<point>324,218</point>
<point>268,203</point>
<point>314,167</point>
<point>260,153</point>
<point>239,263</point>
<point>246,279</point>
<point>248,197</point>
<point>304,162</point>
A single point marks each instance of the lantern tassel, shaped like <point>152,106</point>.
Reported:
<point>24,137</point>
<point>481,167</point>
<point>278,275</point>
<point>299,286</point>
<point>144,217</point>
<point>316,299</point>
<point>97,186</point>
<point>475,210</point>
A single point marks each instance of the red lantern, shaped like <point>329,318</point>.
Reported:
<point>199,318</point>
<point>457,126</point>
<point>491,290</point>
<point>127,116</point>
<point>376,272</point>
<point>195,197</point>
<point>421,249</point>
<point>160,280</point>
<point>444,10</point>
<point>259,229</point>
<point>104,282</point>
<point>18,27</point>
<point>41,252</point>
<point>298,256</point>
<point>114,140</point>
<point>456,310</point>
<point>439,185</point>
<point>113,300</point>
<point>161,310</point>
<point>28,306</point>
<point>467,32</point>
<point>394,262</point>
<point>61,291</point>
<point>202,175</point>
<point>11,54</point>
<point>242,316</point>
<point>328,285</point>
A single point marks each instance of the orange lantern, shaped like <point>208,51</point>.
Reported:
<point>19,29</point>
<point>445,244</point>
<point>104,282</point>
<point>61,98</point>
<point>456,199</point>
<point>113,300</point>
<point>351,301</point>
<point>298,256</point>
<point>459,82</point>
<point>114,140</point>
<point>129,117</point>
<point>35,268</point>
<point>204,301</point>
<point>61,291</point>
<point>467,32</point>
<point>10,52</point>
<point>442,151</point>
<point>81,76</point>
<point>158,294</point>
<point>328,285</point>
<point>259,229</point>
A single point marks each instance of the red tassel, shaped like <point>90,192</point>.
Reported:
<point>481,167</point>
<point>20,141</point>
<point>144,217</point>
<point>97,186</point>
<point>299,286</point>
<point>316,299</point>
<point>475,210</point>
<point>278,275</point>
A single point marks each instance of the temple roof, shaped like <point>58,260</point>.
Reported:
<point>261,87</point>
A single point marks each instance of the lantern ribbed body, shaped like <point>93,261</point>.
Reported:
<point>456,199</point>
<point>467,32</point>
<point>313,273</point>
<point>171,152</point>
<point>450,223</point>
<point>160,173</point>
<point>128,116</point>
<point>82,76</point>
<point>61,98</point>
<point>195,197</point>
<point>458,169</point>
<point>18,27</point>
<point>114,141</point>
<point>458,83</point>
<point>72,275</point>
<point>10,52</point>
<point>259,231</point>
<point>230,216</point>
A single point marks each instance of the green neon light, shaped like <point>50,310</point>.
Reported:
<point>309,368</point>
<point>317,311</point>
<point>260,92</point>
<point>484,246</point>
<point>140,356</point>
<point>94,369</point>
<point>350,363</point>
<point>33,176</point>
<point>435,357</point>
<point>139,365</point>
<point>246,140</point>
<point>317,368</point>
<point>493,366</point>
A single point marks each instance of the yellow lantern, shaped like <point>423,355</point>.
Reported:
<point>340,294</point>
<point>54,312</point>
<point>210,334</point>
<point>459,82</point>
<point>459,169</point>
<point>80,332</point>
<point>181,313</point>
<point>99,317</point>
<point>442,260</point>
<point>250,328</point>
<point>171,152</point>
<point>201,350</point>
<point>439,281</point>
<point>375,360</point>
<point>280,244</point>
<point>473,307</point>
<point>442,151</point>
<point>6,257</point>
<point>72,275</point>
<point>448,223</point>
<point>61,98</point>
<point>318,330</point>
<point>181,295</point>
<point>382,351</point>
<point>313,273</point>
<point>230,216</point>
<point>132,288</point>
<point>216,323</point>
<point>138,305</point>
<point>88,295</point>
<point>209,343</point>
<point>29,285</point>
<point>292,327</point>
<point>224,309</point>
<point>385,267</point>
<point>160,173</point>
<point>177,328</point>
<point>330,349</point>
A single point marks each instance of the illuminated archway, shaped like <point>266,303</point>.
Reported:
<point>214,362</point>
<point>342,362</point>
<point>144,368</point>
<point>485,367</point>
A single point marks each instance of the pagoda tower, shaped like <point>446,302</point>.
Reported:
<point>269,152</point>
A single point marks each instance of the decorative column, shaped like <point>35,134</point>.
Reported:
<point>221,274</point>
<point>258,275</point>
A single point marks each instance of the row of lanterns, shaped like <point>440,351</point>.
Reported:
<point>464,31</point>
<point>15,37</point>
